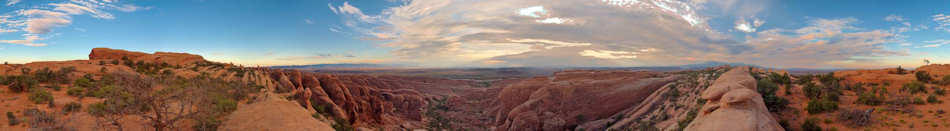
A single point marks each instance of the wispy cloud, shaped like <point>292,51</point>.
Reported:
<point>943,21</point>
<point>41,20</point>
<point>935,43</point>
<point>307,21</point>
<point>12,2</point>
<point>604,33</point>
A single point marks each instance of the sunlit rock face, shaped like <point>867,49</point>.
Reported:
<point>734,105</point>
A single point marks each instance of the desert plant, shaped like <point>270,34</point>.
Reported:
<point>901,70</point>
<point>39,95</point>
<point>933,99</point>
<point>820,106</point>
<point>75,91</point>
<point>856,118</point>
<point>914,87</point>
<point>83,82</point>
<point>812,91</point>
<point>22,83</point>
<point>12,119</point>
<point>919,101</point>
<point>767,89</point>
<point>72,107</point>
<point>870,98</point>
<point>811,124</point>
<point>940,91</point>
<point>923,76</point>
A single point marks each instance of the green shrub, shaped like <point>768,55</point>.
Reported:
<point>811,124</point>
<point>933,99</point>
<point>870,98</point>
<point>207,124</point>
<point>12,119</point>
<point>72,107</point>
<point>940,91</point>
<point>223,104</point>
<point>945,80</point>
<point>339,124</point>
<point>923,76</point>
<point>83,82</point>
<point>914,87</point>
<point>38,95</point>
<point>22,83</point>
<point>767,89</point>
<point>901,70</point>
<point>101,92</point>
<point>919,101</point>
<point>54,87</point>
<point>812,91</point>
<point>819,106</point>
<point>75,91</point>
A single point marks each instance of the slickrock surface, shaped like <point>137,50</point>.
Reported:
<point>733,104</point>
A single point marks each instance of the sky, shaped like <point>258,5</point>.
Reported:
<point>488,33</point>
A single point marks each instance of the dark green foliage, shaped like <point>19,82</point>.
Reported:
<point>689,118</point>
<point>939,91</point>
<point>820,106</point>
<point>54,87</point>
<point>207,124</point>
<point>919,101</point>
<point>75,91</point>
<point>83,82</point>
<point>342,125</point>
<point>933,99</point>
<point>811,124</point>
<point>21,83</point>
<point>785,125</point>
<point>39,95</point>
<point>72,107</point>
<point>783,79</point>
<point>804,79</point>
<point>870,98</point>
<point>914,87</point>
<point>812,91</point>
<point>767,89</point>
<point>923,76</point>
<point>12,119</point>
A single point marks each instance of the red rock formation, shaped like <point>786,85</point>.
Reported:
<point>570,98</point>
<point>734,105</point>
<point>158,57</point>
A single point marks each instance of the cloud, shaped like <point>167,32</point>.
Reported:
<point>12,2</point>
<point>943,21</point>
<point>27,41</point>
<point>603,33</point>
<point>894,18</point>
<point>41,20</point>
<point>308,21</point>
<point>935,43</point>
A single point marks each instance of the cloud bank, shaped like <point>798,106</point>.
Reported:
<point>41,20</point>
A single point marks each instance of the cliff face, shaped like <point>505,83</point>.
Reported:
<point>158,57</point>
<point>734,104</point>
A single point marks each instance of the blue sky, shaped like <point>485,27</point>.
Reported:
<point>489,33</point>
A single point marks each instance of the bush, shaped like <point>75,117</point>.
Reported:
<point>83,82</point>
<point>819,106</point>
<point>54,87</point>
<point>340,124</point>
<point>901,70</point>
<point>933,99</point>
<point>914,87</point>
<point>923,76</point>
<point>870,98</point>
<point>223,104</point>
<point>812,91</point>
<point>856,118</point>
<point>919,101</point>
<point>767,89</point>
<point>72,107</point>
<point>811,124</point>
<point>12,119</point>
<point>75,91</point>
<point>38,96</point>
<point>22,83</point>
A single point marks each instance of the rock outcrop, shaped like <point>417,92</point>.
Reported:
<point>734,104</point>
<point>570,98</point>
<point>270,114</point>
<point>158,57</point>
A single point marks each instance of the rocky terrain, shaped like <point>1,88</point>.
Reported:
<point>181,91</point>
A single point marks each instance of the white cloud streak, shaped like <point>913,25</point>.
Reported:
<point>41,20</point>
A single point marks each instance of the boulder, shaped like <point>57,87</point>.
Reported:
<point>733,104</point>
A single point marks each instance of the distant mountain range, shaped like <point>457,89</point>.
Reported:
<point>333,66</point>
